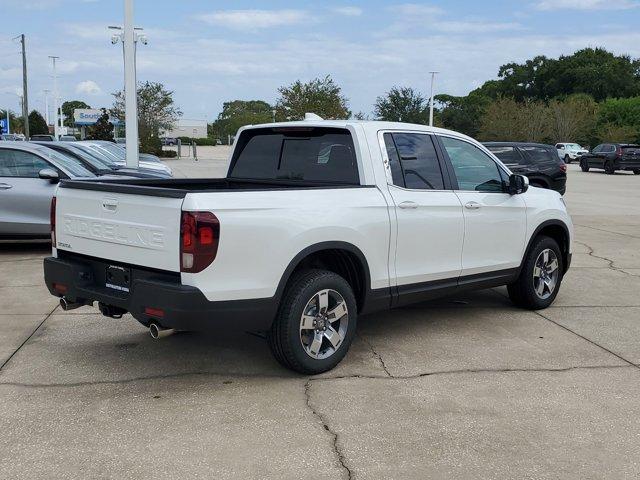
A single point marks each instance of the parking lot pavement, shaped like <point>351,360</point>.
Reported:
<point>465,387</point>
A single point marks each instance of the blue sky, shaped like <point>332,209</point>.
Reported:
<point>211,51</point>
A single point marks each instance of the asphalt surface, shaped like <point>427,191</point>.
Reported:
<point>465,387</point>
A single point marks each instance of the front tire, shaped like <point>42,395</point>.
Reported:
<point>636,171</point>
<point>315,324</point>
<point>609,168</point>
<point>540,277</point>
<point>584,166</point>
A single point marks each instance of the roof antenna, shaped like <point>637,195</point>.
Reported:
<point>312,117</point>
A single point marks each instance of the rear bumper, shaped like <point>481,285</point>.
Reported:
<point>183,307</point>
<point>632,164</point>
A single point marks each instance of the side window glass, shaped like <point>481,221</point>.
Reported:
<point>597,149</point>
<point>474,170</point>
<point>27,164</point>
<point>507,155</point>
<point>7,164</point>
<point>419,161</point>
<point>538,154</point>
<point>394,161</point>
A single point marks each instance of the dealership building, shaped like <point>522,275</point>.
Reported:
<point>188,127</point>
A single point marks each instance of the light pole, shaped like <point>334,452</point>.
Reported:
<point>129,38</point>
<point>46,106</point>
<point>433,79</point>
<point>56,131</point>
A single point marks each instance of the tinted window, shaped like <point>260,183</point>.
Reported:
<point>16,163</point>
<point>394,160</point>
<point>539,154</point>
<point>597,149</point>
<point>631,150</point>
<point>508,155</point>
<point>419,161</point>
<point>314,154</point>
<point>474,169</point>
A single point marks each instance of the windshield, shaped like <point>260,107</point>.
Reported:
<point>69,164</point>
<point>101,151</point>
<point>90,158</point>
<point>114,149</point>
<point>574,146</point>
<point>105,161</point>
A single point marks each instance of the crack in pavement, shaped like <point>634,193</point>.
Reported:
<point>607,231</point>
<point>336,449</point>
<point>316,379</point>
<point>612,266</point>
<point>376,355</point>
<point>29,337</point>
<point>588,340</point>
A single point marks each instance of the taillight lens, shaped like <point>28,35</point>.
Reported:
<point>563,167</point>
<point>52,221</point>
<point>199,236</point>
<point>618,152</point>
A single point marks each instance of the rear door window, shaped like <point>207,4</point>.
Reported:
<point>510,156</point>
<point>19,164</point>
<point>538,155</point>
<point>418,167</point>
<point>304,154</point>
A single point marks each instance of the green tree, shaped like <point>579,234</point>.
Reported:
<point>619,119</point>
<point>500,121</point>
<point>238,113</point>
<point>102,129</point>
<point>462,114</point>
<point>37,124</point>
<point>68,108</point>
<point>573,119</point>
<point>321,96</point>
<point>156,113</point>
<point>402,104</point>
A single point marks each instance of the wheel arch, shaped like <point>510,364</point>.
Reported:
<point>557,230</point>
<point>343,258</point>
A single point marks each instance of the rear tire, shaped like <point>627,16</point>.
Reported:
<point>315,324</point>
<point>636,171</point>
<point>567,159</point>
<point>584,166</point>
<point>609,168</point>
<point>540,277</point>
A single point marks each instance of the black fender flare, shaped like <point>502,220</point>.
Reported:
<point>536,232</point>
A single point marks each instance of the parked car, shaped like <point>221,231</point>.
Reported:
<point>120,140</point>
<point>43,138</point>
<point>299,242</point>
<point>613,157</point>
<point>68,138</point>
<point>117,154</point>
<point>28,177</point>
<point>169,141</point>
<point>8,137</point>
<point>538,162</point>
<point>98,164</point>
<point>570,151</point>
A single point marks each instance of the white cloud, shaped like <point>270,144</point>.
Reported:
<point>88,87</point>
<point>348,11</point>
<point>546,5</point>
<point>253,19</point>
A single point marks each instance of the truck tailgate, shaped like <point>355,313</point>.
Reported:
<point>140,230</point>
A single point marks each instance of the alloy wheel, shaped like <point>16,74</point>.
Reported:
<point>323,324</point>
<point>546,273</point>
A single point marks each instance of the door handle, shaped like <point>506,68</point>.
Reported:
<point>5,186</point>
<point>408,205</point>
<point>472,205</point>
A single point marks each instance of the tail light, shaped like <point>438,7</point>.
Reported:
<point>618,152</point>
<point>199,235</point>
<point>52,220</point>
<point>563,167</point>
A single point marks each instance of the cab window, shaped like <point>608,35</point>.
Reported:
<point>413,161</point>
<point>474,169</point>
<point>19,164</point>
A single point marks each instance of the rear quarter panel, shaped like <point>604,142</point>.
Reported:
<point>262,231</point>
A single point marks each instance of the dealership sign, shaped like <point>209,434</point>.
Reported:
<point>87,116</point>
<point>3,126</point>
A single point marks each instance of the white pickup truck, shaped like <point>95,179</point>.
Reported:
<point>316,223</point>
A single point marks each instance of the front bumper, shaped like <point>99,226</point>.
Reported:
<point>82,280</point>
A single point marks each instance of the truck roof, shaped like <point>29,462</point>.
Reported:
<point>367,125</point>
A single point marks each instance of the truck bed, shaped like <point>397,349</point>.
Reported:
<point>179,188</point>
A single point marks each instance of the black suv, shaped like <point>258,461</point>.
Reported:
<point>539,162</point>
<point>612,157</point>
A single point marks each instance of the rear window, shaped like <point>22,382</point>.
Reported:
<point>305,154</point>
<point>631,149</point>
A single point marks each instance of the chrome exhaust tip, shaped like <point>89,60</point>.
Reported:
<point>67,305</point>
<point>158,331</point>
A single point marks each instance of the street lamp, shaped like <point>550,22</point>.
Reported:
<point>129,38</point>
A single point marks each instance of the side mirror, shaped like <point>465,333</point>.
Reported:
<point>518,184</point>
<point>49,174</point>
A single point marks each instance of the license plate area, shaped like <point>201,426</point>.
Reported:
<point>118,278</point>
